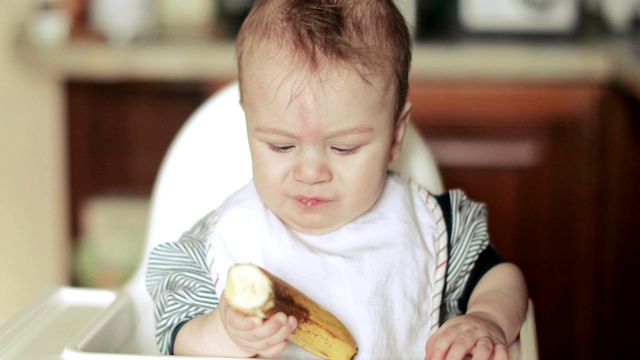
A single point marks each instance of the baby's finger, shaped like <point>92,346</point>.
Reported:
<point>439,343</point>
<point>462,345</point>
<point>501,352</point>
<point>270,339</point>
<point>273,330</point>
<point>435,349</point>
<point>286,329</point>
<point>483,349</point>
<point>274,351</point>
<point>257,339</point>
<point>240,321</point>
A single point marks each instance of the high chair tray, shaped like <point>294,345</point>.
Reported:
<point>53,321</point>
<point>73,323</point>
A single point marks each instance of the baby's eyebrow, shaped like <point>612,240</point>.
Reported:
<point>343,132</point>
<point>274,131</point>
<point>353,131</point>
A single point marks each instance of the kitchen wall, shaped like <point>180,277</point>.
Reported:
<point>33,226</point>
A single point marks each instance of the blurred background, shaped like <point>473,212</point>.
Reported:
<point>35,243</point>
<point>531,106</point>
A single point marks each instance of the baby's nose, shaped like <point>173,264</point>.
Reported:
<point>312,169</point>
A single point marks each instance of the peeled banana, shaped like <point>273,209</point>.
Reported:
<point>254,291</point>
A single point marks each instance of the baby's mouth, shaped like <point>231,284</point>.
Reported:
<point>309,202</point>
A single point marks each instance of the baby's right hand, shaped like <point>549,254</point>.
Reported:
<point>267,338</point>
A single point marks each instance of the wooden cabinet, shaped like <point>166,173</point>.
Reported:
<point>619,234</point>
<point>547,161</point>
<point>118,133</point>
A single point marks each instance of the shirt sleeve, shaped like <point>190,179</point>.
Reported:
<point>179,283</point>
<point>470,253</point>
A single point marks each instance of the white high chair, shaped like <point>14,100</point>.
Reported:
<point>207,161</point>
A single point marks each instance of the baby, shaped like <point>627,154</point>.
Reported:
<point>412,275</point>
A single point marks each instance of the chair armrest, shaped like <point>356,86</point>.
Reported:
<point>526,345</point>
<point>529,336</point>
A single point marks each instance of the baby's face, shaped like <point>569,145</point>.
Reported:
<point>320,144</point>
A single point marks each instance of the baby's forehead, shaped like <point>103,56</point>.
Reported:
<point>286,65</point>
<point>324,83</point>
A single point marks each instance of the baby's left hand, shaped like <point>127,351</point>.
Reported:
<point>470,334</point>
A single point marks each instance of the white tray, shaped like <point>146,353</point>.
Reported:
<point>52,322</point>
<point>74,323</point>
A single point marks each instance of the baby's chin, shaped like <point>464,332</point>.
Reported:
<point>311,226</point>
<point>311,229</point>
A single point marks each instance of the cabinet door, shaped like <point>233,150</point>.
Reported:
<point>529,153</point>
<point>618,281</point>
<point>119,132</point>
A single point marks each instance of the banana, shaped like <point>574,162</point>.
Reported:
<point>254,291</point>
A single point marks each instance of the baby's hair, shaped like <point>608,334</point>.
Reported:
<point>370,36</point>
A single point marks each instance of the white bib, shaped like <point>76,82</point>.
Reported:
<point>382,274</point>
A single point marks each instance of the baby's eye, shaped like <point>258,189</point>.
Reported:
<point>281,149</point>
<point>345,150</point>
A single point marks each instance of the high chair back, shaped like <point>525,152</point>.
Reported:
<point>208,160</point>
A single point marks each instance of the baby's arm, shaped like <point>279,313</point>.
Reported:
<point>226,332</point>
<point>180,285</point>
<point>495,313</point>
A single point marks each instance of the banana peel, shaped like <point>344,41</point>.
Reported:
<point>254,291</point>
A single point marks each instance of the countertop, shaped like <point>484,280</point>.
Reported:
<point>595,61</point>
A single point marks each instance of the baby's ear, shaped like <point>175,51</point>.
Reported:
<point>398,132</point>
